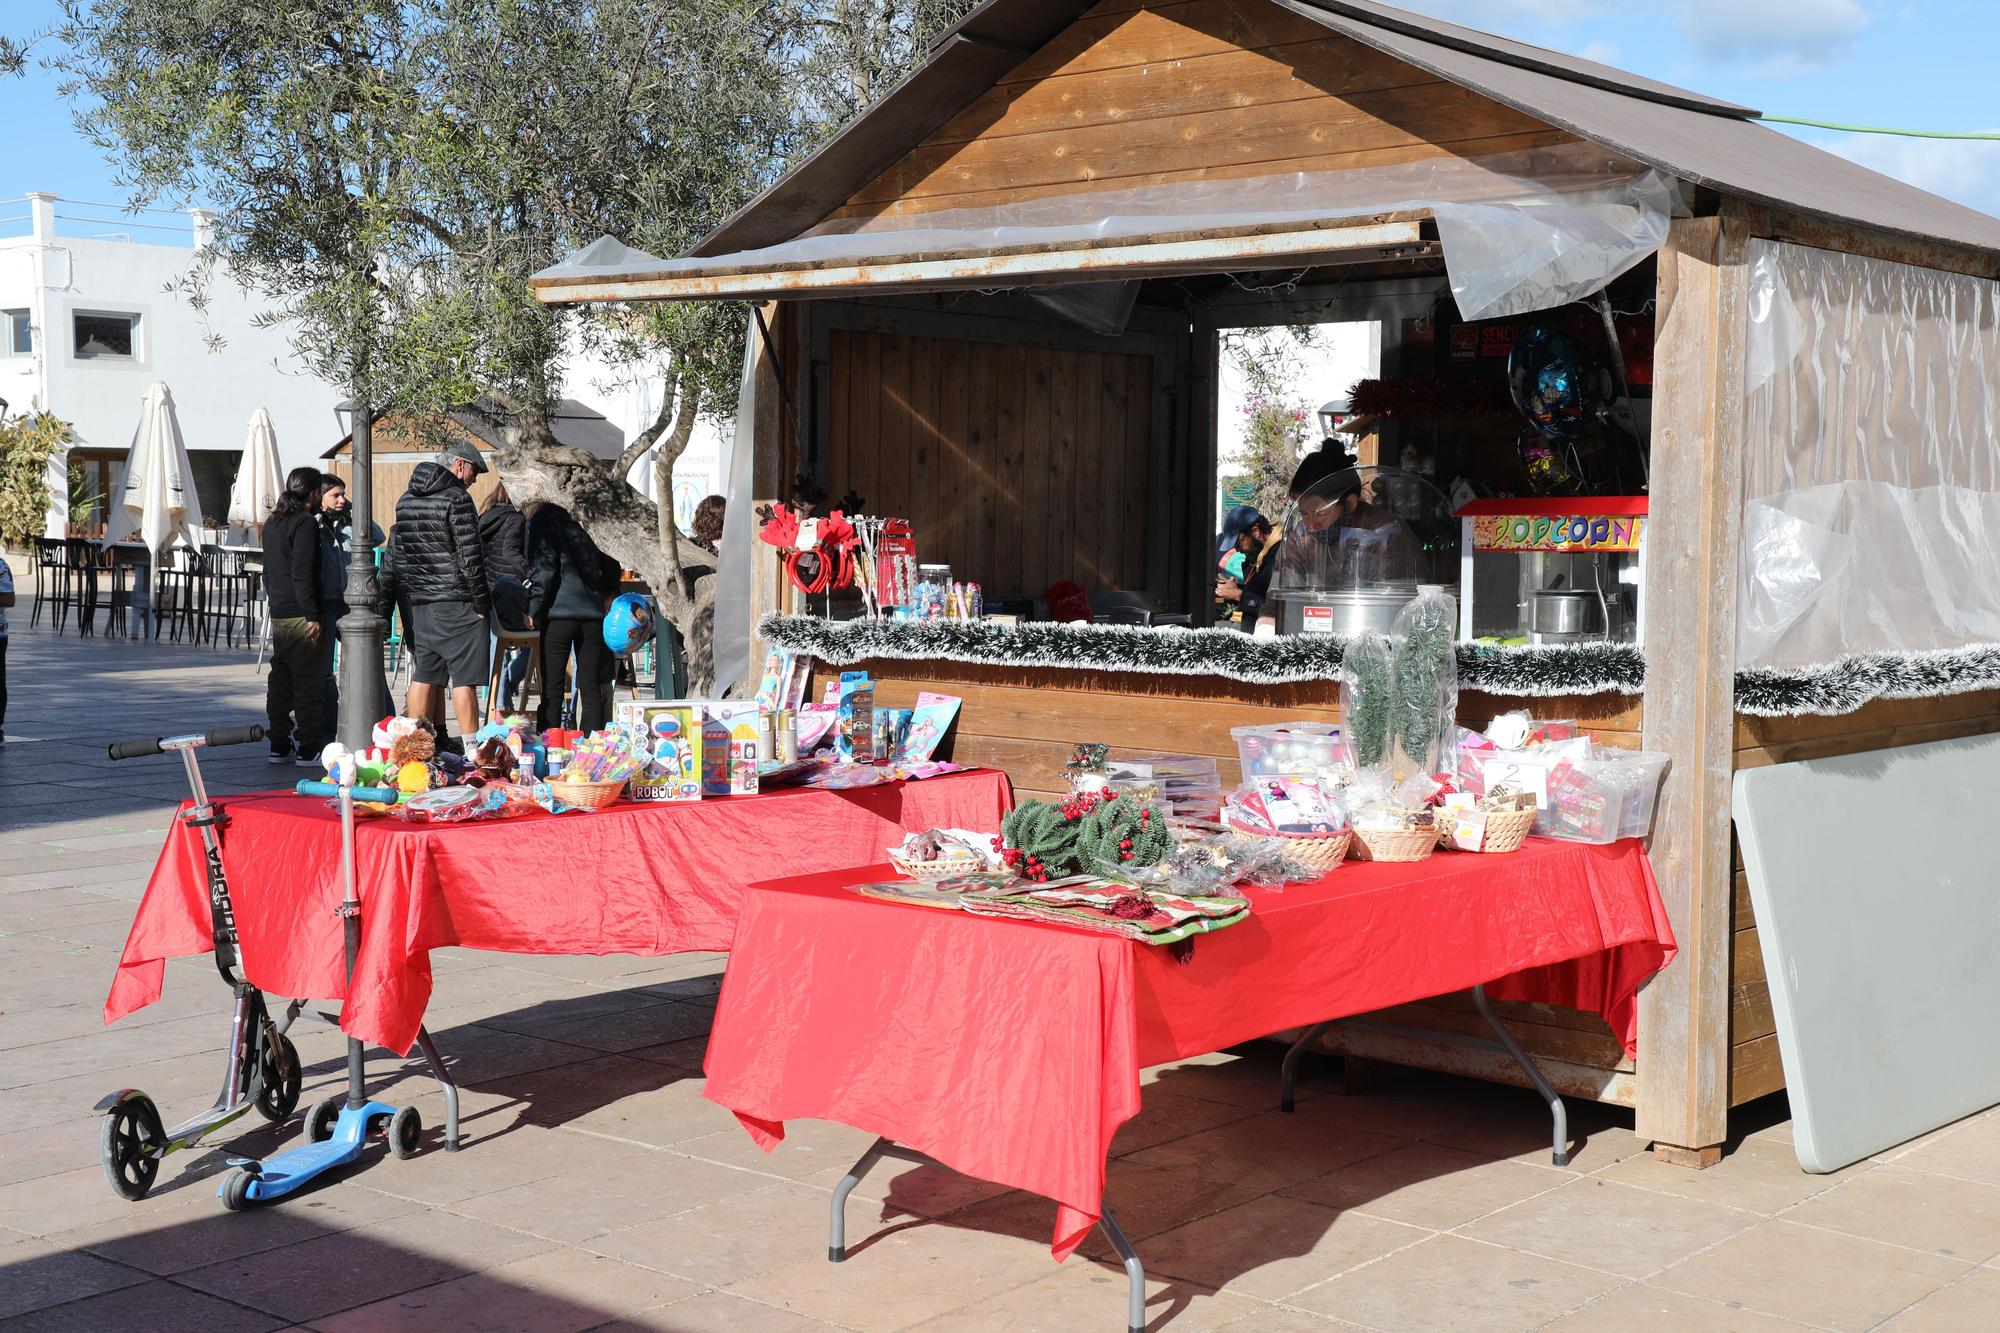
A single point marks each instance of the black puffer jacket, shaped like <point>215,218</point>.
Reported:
<point>438,557</point>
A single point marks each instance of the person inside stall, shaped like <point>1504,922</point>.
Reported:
<point>572,585</point>
<point>1251,593</point>
<point>1246,536</point>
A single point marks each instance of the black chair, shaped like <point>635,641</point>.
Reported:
<point>84,564</point>
<point>125,573</point>
<point>50,559</point>
<point>224,594</point>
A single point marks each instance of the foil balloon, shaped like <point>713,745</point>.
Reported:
<point>628,623</point>
<point>1548,473</point>
<point>1552,382</point>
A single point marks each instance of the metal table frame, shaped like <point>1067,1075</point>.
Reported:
<point>1135,1271</point>
<point>1506,1042</point>
<point>836,1235</point>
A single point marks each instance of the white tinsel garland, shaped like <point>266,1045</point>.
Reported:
<point>1542,671</point>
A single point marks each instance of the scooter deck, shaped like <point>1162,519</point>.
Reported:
<point>299,1167</point>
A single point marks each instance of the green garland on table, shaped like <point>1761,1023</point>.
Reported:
<point>1046,840</point>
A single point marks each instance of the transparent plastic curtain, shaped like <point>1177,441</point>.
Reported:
<point>739,532</point>
<point>1871,518</point>
<point>1522,231</point>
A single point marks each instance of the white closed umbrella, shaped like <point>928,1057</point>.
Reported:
<point>157,499</point>
<point>257,481</point>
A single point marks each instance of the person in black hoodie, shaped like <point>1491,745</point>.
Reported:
<point>503,531</point>
<point>300,645</point>
<point>438,561</point>
<point>573,584</point>
<point>336,522</point>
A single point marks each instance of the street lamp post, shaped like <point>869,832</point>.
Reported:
<point>362,629</point>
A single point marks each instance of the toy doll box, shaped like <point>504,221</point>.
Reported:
<point>729,750</point>
<point>673,734</point>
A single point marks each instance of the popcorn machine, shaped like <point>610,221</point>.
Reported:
<point>1560,570</point>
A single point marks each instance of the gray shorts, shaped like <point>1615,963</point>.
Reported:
<point>451,645</point>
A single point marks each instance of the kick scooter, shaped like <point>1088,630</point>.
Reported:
<point>337,1127</point>
<point>263,1068</point>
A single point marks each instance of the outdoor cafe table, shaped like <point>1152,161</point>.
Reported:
<point>1011,1050</point>
<point>633,878</point>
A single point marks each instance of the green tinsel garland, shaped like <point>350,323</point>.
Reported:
<point>1371,698</point>
<point>1427,648</point>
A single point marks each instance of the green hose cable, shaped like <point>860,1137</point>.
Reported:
<point>1879,129</point>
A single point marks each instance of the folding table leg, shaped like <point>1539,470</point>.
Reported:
<point>1289,1077</point>
<point>1135,1273</point>
<point>1531,1069</point>
<point>443,1078</point>
<point>836,1233</point>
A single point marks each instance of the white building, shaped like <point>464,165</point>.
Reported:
<point>87,322</point>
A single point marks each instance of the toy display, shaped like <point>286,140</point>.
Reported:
<point>941,853</point>
<point>854,732</point>
<point>671,735</point>
<point>729,749</point>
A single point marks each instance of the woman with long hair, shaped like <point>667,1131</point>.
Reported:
<point>301,649</point>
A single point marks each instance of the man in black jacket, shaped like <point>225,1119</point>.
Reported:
<point>440,565</point>
<point>300,646</point>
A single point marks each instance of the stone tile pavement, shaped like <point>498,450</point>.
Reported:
<point>599,1190</point>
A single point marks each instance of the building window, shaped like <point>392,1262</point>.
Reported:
<point>105,337</point>
<point>17,335</point>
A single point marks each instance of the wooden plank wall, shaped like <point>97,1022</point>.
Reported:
<point>1754,1068</point>
<point>980,443</point>
<point>1025,722</point>
<point>1136,94</point>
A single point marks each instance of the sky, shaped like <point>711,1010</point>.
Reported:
<point>1912,64</point>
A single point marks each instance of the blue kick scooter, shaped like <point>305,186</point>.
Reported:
<point>337,1126</point>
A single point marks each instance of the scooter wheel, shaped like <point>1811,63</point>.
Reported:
<point>133,1143</point>
<point>406,1132</point>
<point>236,1196</point>
<point>278,1080</point>
<point>322,1116</point>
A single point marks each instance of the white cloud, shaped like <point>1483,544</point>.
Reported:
<point>1776,38</point>
<point>1967,170</point>
<point>1495,15</point>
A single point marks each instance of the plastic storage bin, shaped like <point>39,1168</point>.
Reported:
<point>1607,796</point>
<point>1288,749</point>
<point>1190,784</point>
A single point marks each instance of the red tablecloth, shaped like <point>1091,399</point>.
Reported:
<point>1011,1050</point>
<point>639,879</point>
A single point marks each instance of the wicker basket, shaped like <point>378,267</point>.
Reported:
<point>587,795</point>
<point>1506,830</point>
<point>942,868</point>
<point>1315,851</point>
<point>1396,845</point>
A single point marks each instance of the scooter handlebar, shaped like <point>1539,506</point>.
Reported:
<point>379,795</point>
<point>146,745</point>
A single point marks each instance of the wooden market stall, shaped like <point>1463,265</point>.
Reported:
<point>941,336</point>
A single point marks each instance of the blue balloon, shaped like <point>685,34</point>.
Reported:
<point>1552,382</point>
<point>628,624</point>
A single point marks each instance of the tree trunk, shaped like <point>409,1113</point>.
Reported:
<point>625,524</point>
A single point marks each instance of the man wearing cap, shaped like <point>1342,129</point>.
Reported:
<point>441,567</point>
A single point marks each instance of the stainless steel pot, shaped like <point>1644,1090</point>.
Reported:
<point>1575,614</point>
<point>1343,613</point>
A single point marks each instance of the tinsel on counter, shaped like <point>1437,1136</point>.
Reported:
<point>1532,672</point>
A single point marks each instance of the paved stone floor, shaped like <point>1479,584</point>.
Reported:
<point>598,1188</point>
